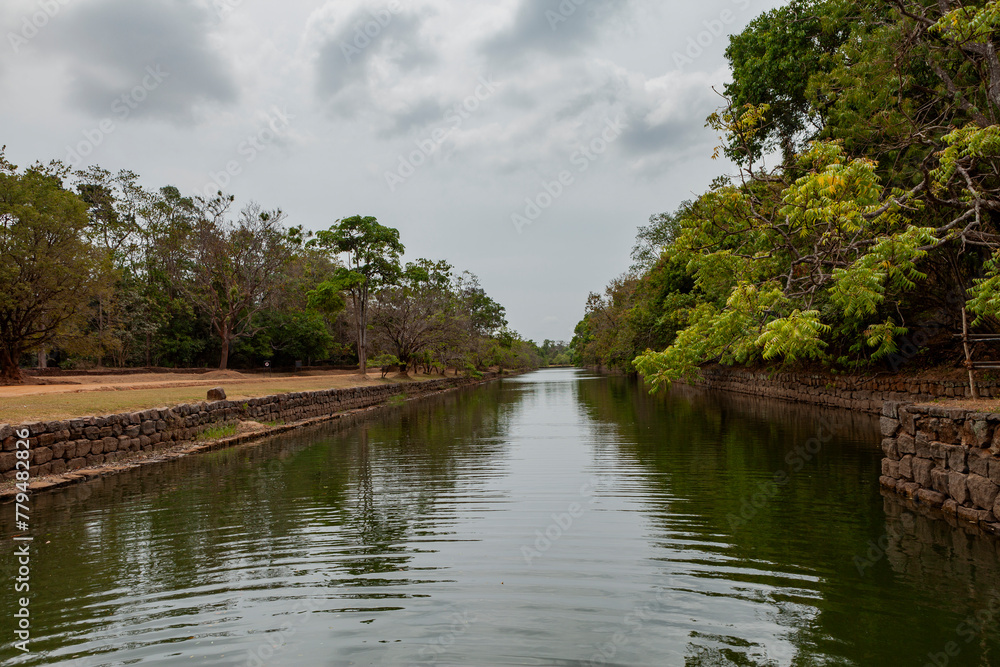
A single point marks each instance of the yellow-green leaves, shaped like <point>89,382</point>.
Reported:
<point>964,143</point>
<point>860,289</point>
<point>794,337</point>
<point>985,293</point>
<point>970,24</point>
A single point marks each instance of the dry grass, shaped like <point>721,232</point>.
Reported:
<point>15,409</point>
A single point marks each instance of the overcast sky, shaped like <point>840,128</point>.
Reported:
<point>523,140</point>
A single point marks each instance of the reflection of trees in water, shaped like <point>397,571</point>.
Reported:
<point>342,497</point>
<point>955,562</point>
<point>705,454</point>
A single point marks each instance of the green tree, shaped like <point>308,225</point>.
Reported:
<point>49,269</point>
<point>237,267</point>
<point>372,253</point>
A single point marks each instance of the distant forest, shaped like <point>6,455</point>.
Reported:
<point>98,271</point>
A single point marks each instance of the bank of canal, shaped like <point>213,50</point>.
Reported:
<point>554,518</point>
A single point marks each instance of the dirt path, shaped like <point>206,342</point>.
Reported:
<point>107,394</point>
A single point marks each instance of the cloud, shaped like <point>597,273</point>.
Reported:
<point>556,27</point>
<point>368,51</point>
<point>109,44</point>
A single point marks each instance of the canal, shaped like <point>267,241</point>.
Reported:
<point>556,518</point>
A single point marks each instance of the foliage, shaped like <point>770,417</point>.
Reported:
<point>50,269</point>
<point>373,261</point>
<point>886,196</point>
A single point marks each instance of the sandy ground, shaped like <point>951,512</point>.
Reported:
<point>78,383</point>
<point>108,394</point>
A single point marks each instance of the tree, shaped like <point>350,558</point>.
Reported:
<point>237,267</point>
<point>373,261</point>
<point>419,314</point>
<point>49,269</point>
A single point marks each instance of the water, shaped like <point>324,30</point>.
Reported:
<point>558,518</point>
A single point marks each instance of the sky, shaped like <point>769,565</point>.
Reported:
<point>522,140</point>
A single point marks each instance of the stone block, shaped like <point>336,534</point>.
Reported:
<point>217,394</point>
<point>982,491</point>
<point>922,447</point>
<point>939,480</point>
<point>957,460</point>
<point>949,507</point>
<point>110,444</point>
<point>969,514</point>
<point>890,468</point>
<point>957,486</point>
<point>41,455</point>
<point>906,468</point>
<point>906,445</point>
<point>979,462</point>
<point>931,498</point>
<point>890,448</point>
<point>922,471</point>
<point>889,426</point>
<point>947,431</point>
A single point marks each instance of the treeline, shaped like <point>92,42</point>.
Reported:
<point>860,229</point>
<point>98,271</point>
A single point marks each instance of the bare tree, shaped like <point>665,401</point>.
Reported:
<point>237,267</point>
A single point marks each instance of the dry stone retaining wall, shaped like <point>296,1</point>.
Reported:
<point>851,392</point>
<point>65,445</point>
<point>947,459</point>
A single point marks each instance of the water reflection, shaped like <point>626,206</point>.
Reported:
<point>556,518</point>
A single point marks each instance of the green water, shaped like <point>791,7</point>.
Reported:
<point>557,518</point>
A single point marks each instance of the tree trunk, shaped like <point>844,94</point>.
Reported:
<point>149,344</point>
<point>11,372</point>
<point>42,358</point>
<point>224,363</point>
<point>362,316</point>
<point>968,355</point>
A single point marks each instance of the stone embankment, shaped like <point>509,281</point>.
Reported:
<point>945,459</point>
<point>64,446</point>
<point>866,393</point>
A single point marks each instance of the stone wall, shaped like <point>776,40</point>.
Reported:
<point>65,445</point>
<point>947,459</point>
<point>866,393</point>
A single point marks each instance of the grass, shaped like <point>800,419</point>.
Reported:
<point>65,405</point>
<point>218,432</point>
